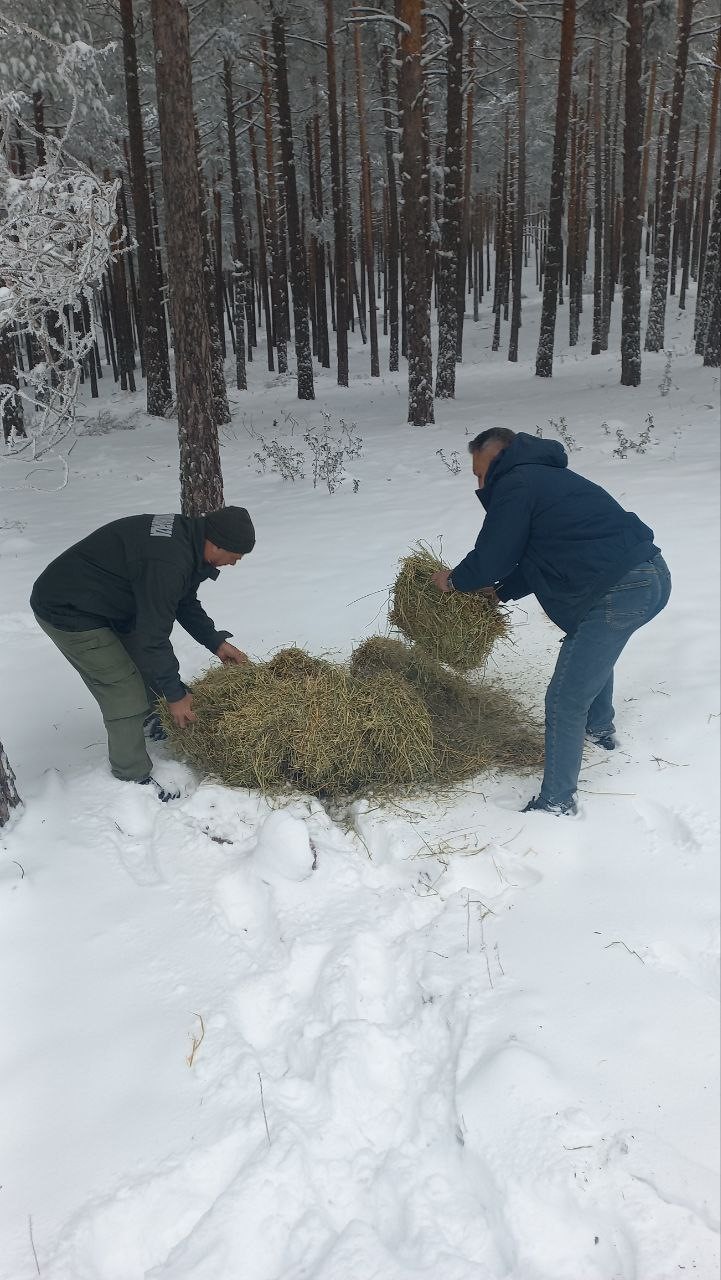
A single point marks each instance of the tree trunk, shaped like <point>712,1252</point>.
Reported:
<point>554,247</point>
<point>688,225</point>
<point>321,305</point>
<point>632,139</point>
<point>299,280</point>
<point>392,249</point>
<point>598,228</point>
<point>201,485</point>
<point>366,202</point>
<point>662,250</point>
<point>465,249</point>
<point>13,422</point>
<point>411,92</point>
<point>154,337</point>
<point>450,247</point>
<point>240,247</point>
<point>340,231</point>
<point>708,295</point>
<point>262,242</point>
<point>710,153</point>
<point>9,798</point>
<point>279,282</point>
<point>520,206</point>
<point>221,408</point>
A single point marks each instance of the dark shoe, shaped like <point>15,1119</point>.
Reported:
<point>153,727</point>
<point>543,806</point>
<point>164,794</point>
<point>606,740</point>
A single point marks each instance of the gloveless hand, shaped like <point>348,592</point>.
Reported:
<point>182,711</point>
<point>229,654</point>
<point>440,579</point>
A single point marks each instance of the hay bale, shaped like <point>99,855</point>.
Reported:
<point>475,727</point>
<point>457,628</point>
<point>303,723</point>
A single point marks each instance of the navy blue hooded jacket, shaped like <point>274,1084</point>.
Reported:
<point>550,532</point>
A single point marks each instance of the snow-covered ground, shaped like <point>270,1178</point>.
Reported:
<point>441,1038</point>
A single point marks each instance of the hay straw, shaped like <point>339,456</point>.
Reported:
<point>303,723</point>
<point>475,727</point>
<point>458,628</point>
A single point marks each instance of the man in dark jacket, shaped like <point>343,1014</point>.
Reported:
<point>592,566</point>
<point>109,604</point>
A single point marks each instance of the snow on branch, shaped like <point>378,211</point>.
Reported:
<point>57,237</point>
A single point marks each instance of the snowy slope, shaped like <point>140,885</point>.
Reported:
<point>441,1038</point>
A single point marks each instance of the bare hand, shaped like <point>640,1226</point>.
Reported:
<point>490,594</point>
<point>229,654</point>
<point>440,580</point>
<point>182,711</point>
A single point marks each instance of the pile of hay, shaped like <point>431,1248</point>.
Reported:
<point>302,723</point>
<point>394,719</point>
<point>475,727</point>
<point>457,628</point>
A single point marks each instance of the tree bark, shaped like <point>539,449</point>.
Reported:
<point>392,249</point>
<point>452,210</point>
<point>632,140</point>
<point>9,798</point>
<point>598,227</point>
<point>710,153</point>
<point>201,485</point>
<point>520,204</point>
<point>662,249</point>
<point>411,92</point>
<point>321,304</point>
<point>554,247</point>
<point>154,337</point>
<point>366,202</point>
<point>278,280</point>
<point>240,247</point>
<point>299,279</point>
<point>340,232</point>
<point>708,296</point>
<point>13,421</point>
<point>466,257</point>
<point>262,242</point>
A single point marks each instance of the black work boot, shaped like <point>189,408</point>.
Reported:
<point>164,794</point>
<point>153,727</point>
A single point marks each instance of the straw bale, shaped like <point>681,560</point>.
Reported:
<point>458,628</point>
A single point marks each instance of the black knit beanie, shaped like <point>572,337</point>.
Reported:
<point>231,528</point>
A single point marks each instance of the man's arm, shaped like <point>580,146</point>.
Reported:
<point>192,617</point>
<point>502,540</point>
<point>514,587</point>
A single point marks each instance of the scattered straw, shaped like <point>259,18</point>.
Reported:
<point>458,628</point>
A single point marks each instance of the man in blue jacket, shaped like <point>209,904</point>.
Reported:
<point>593,567</point>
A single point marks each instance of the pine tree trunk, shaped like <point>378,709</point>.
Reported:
<point>340,231</point>
<point>299,279</point>
<point>707,299</point>
<point>9,798</point>
<point>240,249</point>
<point>710,154</point>
<point>262,242</point>
<point>411,92</point>
<point>13,422</point>
<point>321,306</point>
<point>278,279</point>
<point>598,228</point>
<point>465,249</point>
<point>632,141</point>
<point>392,249</point>
<point>647,127</point>
<point>554,247</point>
<point>657,306</point>
<point>688,225</point>
<point>156,361</point>
<point>520,207</point>
<point>221,408</point>
<point>450,249</point>
<point>366,202</point>
<point>201,485</point>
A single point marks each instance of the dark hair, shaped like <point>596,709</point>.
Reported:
<point>501,434</point>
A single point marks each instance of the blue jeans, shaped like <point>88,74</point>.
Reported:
<point>580,696</point>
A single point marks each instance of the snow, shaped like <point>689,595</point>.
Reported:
<point>438,1037</point>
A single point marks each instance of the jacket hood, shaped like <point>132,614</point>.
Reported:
<point>525,450</point>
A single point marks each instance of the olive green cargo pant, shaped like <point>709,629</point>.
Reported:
<point>103,662</point>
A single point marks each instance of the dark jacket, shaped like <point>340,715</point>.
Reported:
<point>138,574</point>
<point>550,532</point>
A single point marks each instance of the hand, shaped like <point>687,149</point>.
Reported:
<point>182,711</point>
<point>490,594</point>
<point>440,580</point>
<point>229,654</point>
